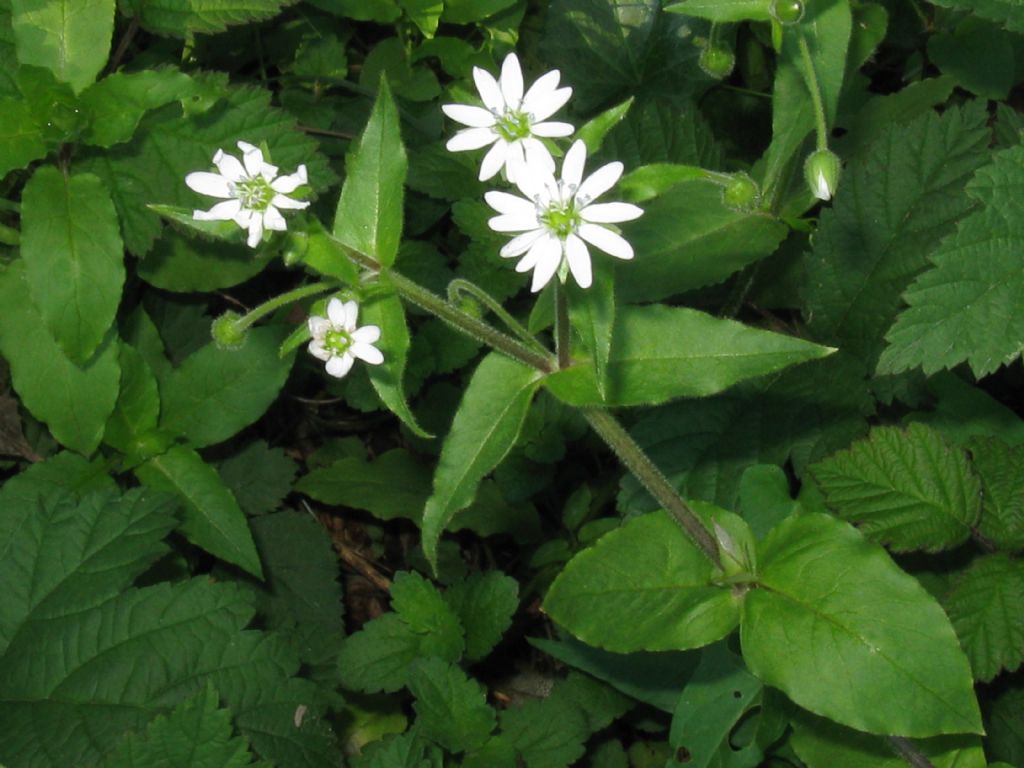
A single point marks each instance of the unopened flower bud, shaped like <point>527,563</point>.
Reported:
<point>227,331</point>
<point>296,245</point>
<point>717,61</point>
<point>822,173</point>
<point>787,12</point>
<point>741,194</point>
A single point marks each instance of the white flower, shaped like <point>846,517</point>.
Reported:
<point>822,191</point>
<point>558,216</point>
<point>511,120</point>
<point>251,189</point>
<point>337,340</point>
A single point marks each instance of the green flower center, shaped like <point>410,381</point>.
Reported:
<point>561,219</point>
<point>513,126</point>
<point>337,342</point>
<point>254,194</point>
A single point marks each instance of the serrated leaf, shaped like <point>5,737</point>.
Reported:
<point>21,141</point>
<point>212,518</point>
<point>421,606</point>
<point>259,477</point>
<point>69,228</point>
<point>1008,13</point>
<point>71,38</point>
<point>451,709</point>
<point>369,215</point>
<point>546,733</point>
<point>485,428</point>
<point>196,734</point>
<point>869,246</point>
<point>138,403</point>
<point>984,606</point>
<point>1006,726</point>
<point>73,401</point>
<point>670,603</point>
<point>967,307</point>
<point>388,314</point>
<point>216,392</point>
<point>186,264</point>
<point>907,489</point>
<point>660,353</point>
<point>592,316</point>
<point>1000,467</point>
<point>978,55</point>
<point>180,18</point>
<point>117,103</point>
<point>467,11</point>
<point>484,603</point>
<point>833,607</point>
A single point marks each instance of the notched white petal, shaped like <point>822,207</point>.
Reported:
<point>544,107</point>
<point>600,181</point>
<point>368,334</point>
<point>520,244</point>
<point>229,166</point>
<point>273,220</point>
<point>339,366</point>
<point>513,222</point>
<point>474,117</point>
<point>471,138</point>
<point>285,185</point>
<point>255,230</point>
<point>579,261</point>
<point>572,165</point>
<point>318,350</point>
<point>611,213</point>
<point>253,159</point>
<point>609,242</point>
<point>494,160</point>
<point>281,201</point>
<point>511,81</point>
<point>318,326</point>
<point>552,130</point>
<point>336,312</point>
<point>225,211</point>
<point>367,353</point>
<point>490,91</point>
<point>503,202</point>
<point>351,315</point>
<point>548,260</point>
<point>206,183</point>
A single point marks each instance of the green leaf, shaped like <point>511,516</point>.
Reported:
<point>71,38</point>
<point>451,709</point>
<point>984,606</point>
<point>369,215</point>
<point>485,428</point>
<point>425,14</point>
<point>217,392</point>
<point>187,264</point>
<point>21,141</point>
<point>393,485</point>
<point>642,587</point>
<point>661,353</point>
<point>138,404</point>
<point>907,489</point>
<point>468,11</point>
<point>687,238</point>
<point>978,55</point>
<point>1000,466</point>
<point>594,130</point>
<point>212,518</point>
<point>181,18</point>
<point>69,229</point>
<point>869,246</point>
<point>663,131</point>
<point>484,603</point>
<point>975,285</point>
<point>592,316</point>
<point>388,314</point>
<point>116,103</point>
<point>259,477</point>
<point>962,411</point>
<point>547,733</point>
<point>1006,726</point>
<point>196,734</point>
<point>73,401</point>
<point>419,604</point>
<point>723,10</point>
<point>847,635</point>
<point>1007,13</point>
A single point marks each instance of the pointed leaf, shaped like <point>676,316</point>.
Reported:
<point>592,316</point>
<point>71,38</point>
<point>182,18</point>
<point>451,708</point>
<point>846,634</point>
<point>21,141</point>
<point>484,603</point>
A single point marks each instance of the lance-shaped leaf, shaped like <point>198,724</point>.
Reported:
<point>212,518</point>
<point>846,634</point>
<point>73,401</point>
<point>21,141</point>
<point>182,18</point>
<point>369,216</point>
<point>642,587</point>
<point>723,10</point>
<point>138,403</point>
<point>485,428</point>
<point>592,316</point>
<point>71,38</point>
<point>74,258</point>
<point>660,353</point>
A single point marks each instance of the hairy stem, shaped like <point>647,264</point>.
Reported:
<point>458,287</point>
<point>908,752</point>
<point>562,326</point>
<point>811,75</point>
<point>284,299</point>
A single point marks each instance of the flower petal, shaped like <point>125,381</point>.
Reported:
<point>546,107</point>
<point>225,211</point>
<point>273,220</point>
<point>603,213</point>
<point>599,182</point>
<point>552,130</point>
<point>318,350</point>
<point>229,166</point>
<point>494,159</point>
<point>538,157</point>
<point>548,262</point>
<point>280,201</point>
<point>513,222</point>
<point>490,91</point>
<point>520,244</point>
<point>245,146</point>
<point>288,184</point>
<point>609,242</point>
<point>368,334</point>
<point>475,117</point>
<point>471,138</point>
<point>255,231</point>
<point>503,202</point>
<point>572,164</point>
<point>579,260</point>
<point>339,366</point>
<point>511,81</point>
<point>336,312</point>
<point>351,315</point>
<point>539,96</point>
<point>318,326</point>
<point>515,162</point>
<point>253,159</point>
<point>268,172</point>
<point>243,217</point>
<point>206,183</point>
<point>366,352</point>
<point>544,245</point>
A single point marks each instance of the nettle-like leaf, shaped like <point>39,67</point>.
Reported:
<point>1000,468</point>
<point>76,639</point>
<point>967,307</point>
<point>984,606</point>
<point>870,245</point>
<point>484,603</point>
<point>846,634</point>
<point>451,708</point>
<point>117,103</point>
<point>71,38</point>
<point>138,404</point>
<point>1006,12</point>
<point>180,18</point>
<point>643,587</point>
<point>21,141</point>
<point>259,477</point>
<point>908,489</point>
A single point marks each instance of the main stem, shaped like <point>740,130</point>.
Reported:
<point>811,74</point>
<point>562,327</point>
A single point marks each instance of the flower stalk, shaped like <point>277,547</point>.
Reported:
<point>459,287</point>
<point>272,305</point>
<point>562,327</point>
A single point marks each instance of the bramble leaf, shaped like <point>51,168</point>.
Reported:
<point>181,18</point>
<point>451,709</point>
<point>1000,467</point>
<point>484,603</point>
<point>71,38</point>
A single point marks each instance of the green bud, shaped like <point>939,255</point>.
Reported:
<point>822,173</point>
<point>717,61</point>
<point>787,12</point>
<point>228,332</point>
<point>471,306</point>
<point>295,248</point>
<point>741,194</point>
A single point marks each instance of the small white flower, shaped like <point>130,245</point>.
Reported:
<point>511,121</point>
<point>251,189</point>
<point>337,340</point>
<point>821,188</point>
<point>558,216</point>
